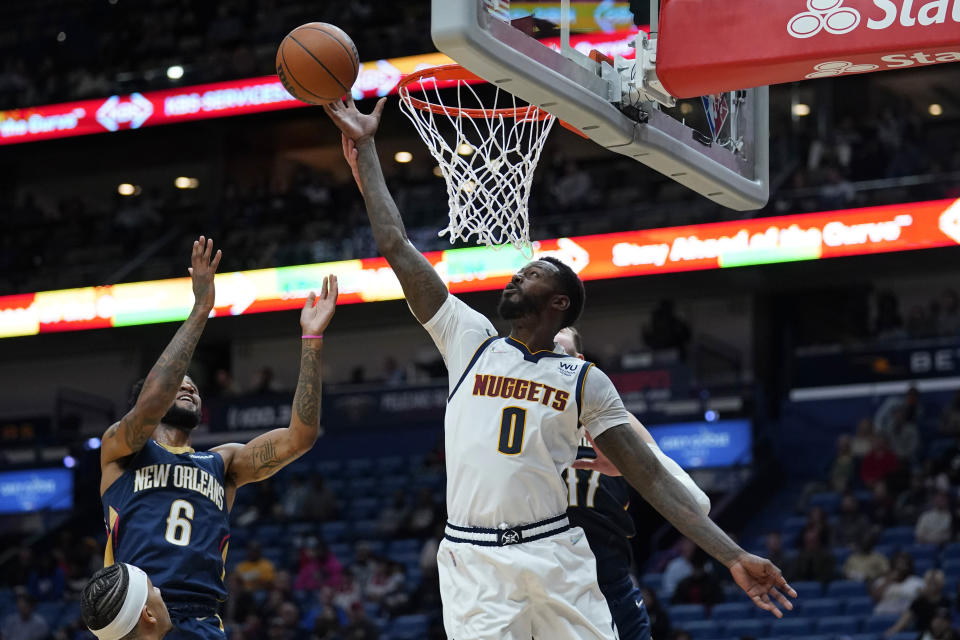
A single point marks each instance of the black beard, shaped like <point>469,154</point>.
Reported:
<point>511,309</point>
<point>181,418</point>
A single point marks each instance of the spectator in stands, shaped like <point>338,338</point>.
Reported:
<point>666,330</point>
<point>320,503</point>
<point>700,587</point>
<point>911,501</point>
<point>678,568</point>
<point>950,418</point>
<point>265,382</point>
<point>879,463</point>
<point>865,563</point>
<point>904,436</point>
<point>924,608</point>
<point>384,582</point>
<point>360,627</point>
<point>295,497</point>
<point>421,519</point>
<point>882,507</point>
<point>814,561</point>
<point>257,572</point>
<point>895,591</point>
<point>349,593</point>
<point>25,624</point>
<point>893,409</point>
<point>774,549</point>
<point>395,515</point>
<point>862,441</point>
<point>240,604</point>
<point>330,618</point>
<point>393,374</point>
<point>936,523</point>
<point>47,580</point>
<point>841,471</point>
<point>817,523</point>
<point>948,324</point>
<point>659,620</point>
<point>852,523</point>
<point>224,385</point>
<point>889,323</point>
<point>18,570</point>
<point>363,563</point>
<point>318,567</point>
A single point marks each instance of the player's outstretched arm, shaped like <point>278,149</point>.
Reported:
<point>162,383</point>
<point>603,464</point>
<point>422,287</point>
<point>265,455</point>
<point>759,578</point>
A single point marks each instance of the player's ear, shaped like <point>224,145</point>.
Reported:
<point>560,302</point>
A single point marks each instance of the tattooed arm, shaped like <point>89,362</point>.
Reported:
<point>265,455</point>
<point>759,578</point>
<point>422,287</point>
<point>165,378</point>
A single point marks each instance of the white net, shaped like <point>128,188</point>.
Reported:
<point>487,151</point>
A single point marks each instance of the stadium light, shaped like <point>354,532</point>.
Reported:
<point>437,171</point>
<point>126,189</point>
<point>93,443</point>
<point>464,149</point>
<point>62,36</point>
<point>175,72</point>
<point>183,182</point>
<point>69,462</point>
<point>800,109</point>
<point>403,157</point>
<point>935,109</point>
<point>710,415</point>
<point>686,108</point>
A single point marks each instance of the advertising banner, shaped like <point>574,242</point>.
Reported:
<point>231,98</point>
<point>813,236</point>
<point>35,490</point>
<point>905,360</point>
<point>699,445</point>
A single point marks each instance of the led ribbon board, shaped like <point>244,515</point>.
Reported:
<point>232,98</point>
<point>832,234</point>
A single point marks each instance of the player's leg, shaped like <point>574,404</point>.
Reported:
<point>483,599</point>
<point>193,628</point>
<point>569,603</point>
<point>628,610</point>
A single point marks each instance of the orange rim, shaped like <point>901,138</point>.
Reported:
<point>456,73</point>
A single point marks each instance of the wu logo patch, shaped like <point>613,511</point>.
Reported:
<point>568,369</point>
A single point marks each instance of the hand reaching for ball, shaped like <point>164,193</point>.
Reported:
<point>357,126</point>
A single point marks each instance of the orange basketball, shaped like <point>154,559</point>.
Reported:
<point>317,63</point>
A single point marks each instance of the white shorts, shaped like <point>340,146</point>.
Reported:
<point>545,589</point>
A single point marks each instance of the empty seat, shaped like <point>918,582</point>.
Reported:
<point>653,581</point>
<point>732,611</point>
<point>903,635</point>
<point>922,565</point>
<point>405,546</point>
<point>364,529</point>
<point>752,627</point>
<point>951,566</point>
<point>359,466</point>
<point>846,589</point>
<point>820,607</point>
<point>921,551</point>
<point>839,625</point>
<point>411,627</point>
<point>328,467</point>
<point>840,555</point>
<point>859,606</point>
<point>791,627</point>
<point>698,629</point>
<point>392,464</point>
<point>878,624</point>
<point>864,636</point>
<point>680,613</point>
<point>951,550</point>
<point>334,531</point>
<point>830,501</point>
<point>898,536</point>
<point>808,589</point>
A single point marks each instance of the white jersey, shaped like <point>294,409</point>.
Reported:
<point>513,420</point>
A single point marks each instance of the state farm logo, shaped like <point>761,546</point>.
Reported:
<point>837,67</point>
<point>823,15</point>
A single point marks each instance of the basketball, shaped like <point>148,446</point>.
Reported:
<point>317,63</point>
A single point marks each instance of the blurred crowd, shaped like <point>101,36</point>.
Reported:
<point>77,50</point>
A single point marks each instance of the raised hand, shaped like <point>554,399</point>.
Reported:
<point>203,270</point>
<point>762,581</point>
<point>355,125</point>
<point>318,310</point>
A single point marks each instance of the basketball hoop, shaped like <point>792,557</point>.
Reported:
<point>487,153</point>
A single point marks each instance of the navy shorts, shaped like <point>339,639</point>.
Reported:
<point>192,628</point>
<point>628,610</point>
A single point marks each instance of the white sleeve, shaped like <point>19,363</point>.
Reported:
<point>458,330</point>
<point>601,406</point>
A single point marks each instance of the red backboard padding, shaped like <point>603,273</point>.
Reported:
<point>706,46</point>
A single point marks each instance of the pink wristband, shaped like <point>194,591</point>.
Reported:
<point>311,337</point>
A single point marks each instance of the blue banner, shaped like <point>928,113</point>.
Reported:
<point>36,490</point>
<point>698,445</point>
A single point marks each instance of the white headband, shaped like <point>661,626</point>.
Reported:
<point>133,602</point>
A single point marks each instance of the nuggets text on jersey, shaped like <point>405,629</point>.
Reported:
<point>519,389</point>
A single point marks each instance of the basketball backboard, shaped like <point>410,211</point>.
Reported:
<point>495,40</point>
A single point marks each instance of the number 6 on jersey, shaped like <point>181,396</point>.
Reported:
<point>179,523</point>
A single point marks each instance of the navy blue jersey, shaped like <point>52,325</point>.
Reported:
<point>167,514</point>
<point>598,504</point>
